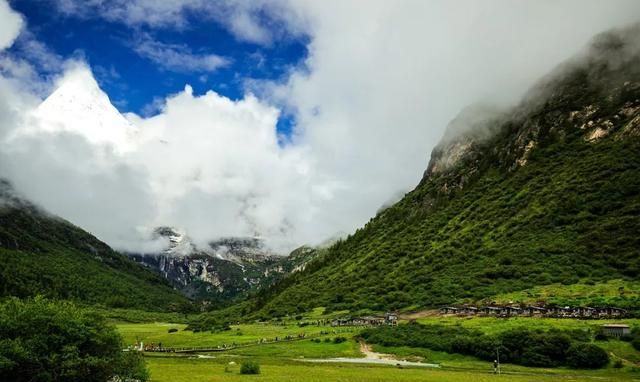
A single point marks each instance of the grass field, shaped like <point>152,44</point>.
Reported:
<point>282,361</point>
<point>239,334</point>
<point>171,369</point>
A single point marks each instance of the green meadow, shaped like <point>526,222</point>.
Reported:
<point>172,369</point>
<point>158,332</point>
<point>288,361</point>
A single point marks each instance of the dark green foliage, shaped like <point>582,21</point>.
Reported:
<point>635,338</point>
<point>339,340</point>
<point>44,255</point>
<point>618,364</point>
<point>519,346</point>
<point>173,330</point>
<point>210,323</point>
<point>249,367</point>
<point>586,356</point>
<point>47,341</point>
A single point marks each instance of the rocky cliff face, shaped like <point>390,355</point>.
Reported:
<point>593,95</point>
<point>228,269</point>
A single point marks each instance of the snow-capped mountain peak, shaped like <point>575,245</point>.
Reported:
<point>79,105</point>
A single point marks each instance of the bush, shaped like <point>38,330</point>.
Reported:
<point>339,340</point>
<point>249,367</point>
<point>600,336</point>
<point>173,330</point>
<point>586,356</point>
<point>49,341</point>
<point>618,364</point>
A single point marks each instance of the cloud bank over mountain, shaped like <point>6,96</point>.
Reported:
<point>380,83</point>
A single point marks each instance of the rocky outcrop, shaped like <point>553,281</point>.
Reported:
<point>228,269</point>
<point>593,96</point>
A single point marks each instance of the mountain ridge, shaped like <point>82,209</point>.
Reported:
<point>546,192</point>
<point>227,270</point>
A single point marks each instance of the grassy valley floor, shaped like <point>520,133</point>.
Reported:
<point>282,361</point>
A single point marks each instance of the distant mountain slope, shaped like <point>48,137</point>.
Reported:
<point>228,270</point>
<point>548,192</point>
<point>43,254</point>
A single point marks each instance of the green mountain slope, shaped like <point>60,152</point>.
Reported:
<point>43,254</point>
<point>548,192</point>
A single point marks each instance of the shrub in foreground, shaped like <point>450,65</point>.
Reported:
<point>249,367</point>
<point>49,341</point>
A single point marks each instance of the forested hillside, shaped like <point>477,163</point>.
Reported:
<point>41,254</point>
<point>548,192</point>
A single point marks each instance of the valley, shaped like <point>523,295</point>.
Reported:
<point>514,256</point>
<point>298,360</point>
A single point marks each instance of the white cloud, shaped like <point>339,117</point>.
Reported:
<point>177,57</point>
<point>206,164</point>
<point>380,84</point>
<point>10,25</point>
<point>243,18</point>
<point>383,79</point>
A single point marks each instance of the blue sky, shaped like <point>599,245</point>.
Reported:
<point>371,84</point>
<point>133,81</point>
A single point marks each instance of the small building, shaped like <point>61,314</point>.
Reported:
<point>340,322</point>
<point>371,320</point>
<point>391,318</point>
<point>616,330</point>
<point>617,312</point>
<point>513,311</point>
<point>492,310</point>
<point>564,311</point>
<point>535,311</point>
<point>610,312</point>
<point>358,321</point>
<point>587,312</point>
<point>449,310</point>
<point>469,310</point>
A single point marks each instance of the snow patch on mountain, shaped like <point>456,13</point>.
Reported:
<point>78,105</point>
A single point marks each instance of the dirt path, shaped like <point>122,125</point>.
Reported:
<point>370,354</point>
<point>370,357</point>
